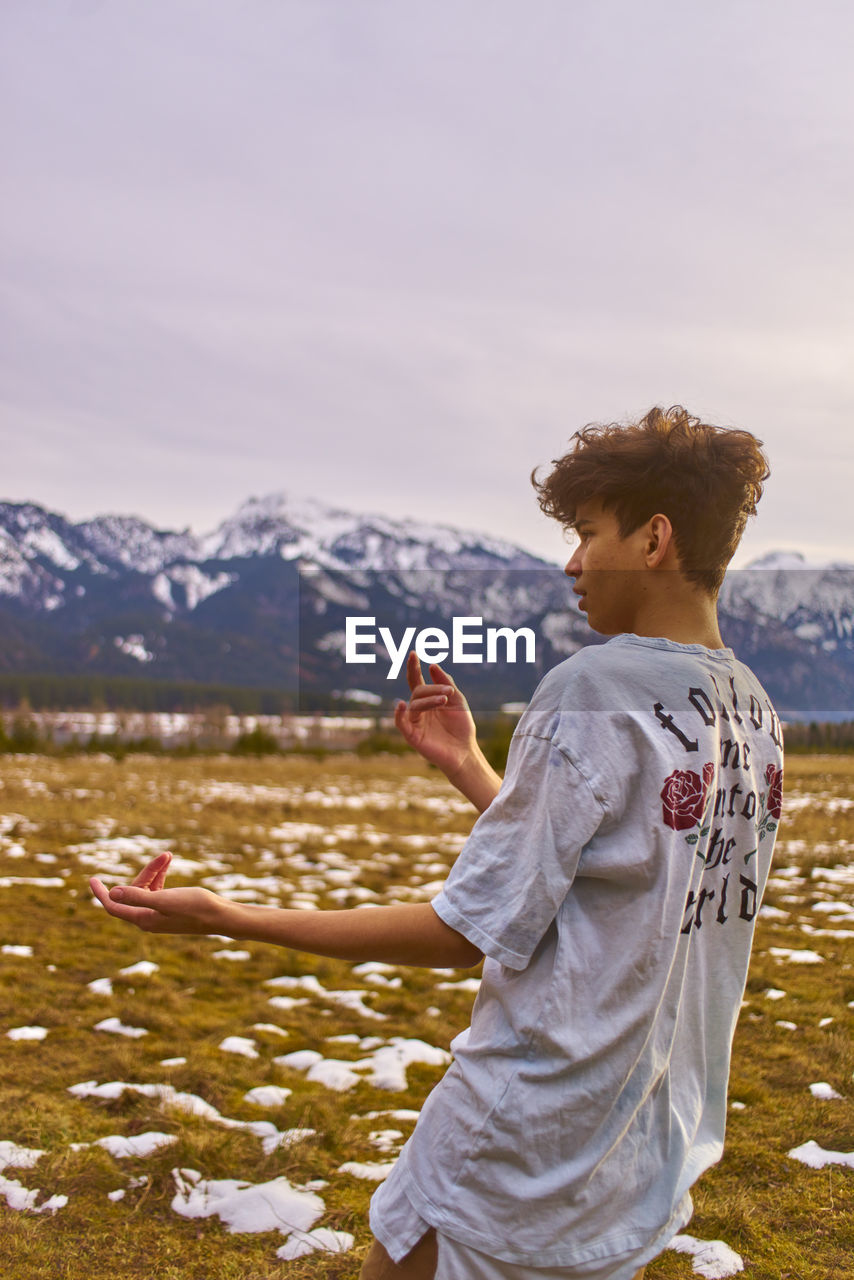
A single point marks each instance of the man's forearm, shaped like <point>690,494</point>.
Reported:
<point>406,934</point>
<point>477,780</point>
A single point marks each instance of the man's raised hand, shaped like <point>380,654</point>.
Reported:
<point>436,722</point>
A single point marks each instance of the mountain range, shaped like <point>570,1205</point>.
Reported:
<point>264,599</point>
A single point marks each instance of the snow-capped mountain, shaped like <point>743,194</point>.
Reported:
<point>264,597</point>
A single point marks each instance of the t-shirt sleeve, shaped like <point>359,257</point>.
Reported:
<point>518,864</point>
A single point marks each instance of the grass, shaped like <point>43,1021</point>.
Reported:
<point>397,822</point>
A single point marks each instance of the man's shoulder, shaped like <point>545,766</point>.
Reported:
<point>586,679</point>
<point>591,664</point>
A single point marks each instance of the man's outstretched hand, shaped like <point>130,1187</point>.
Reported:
<point>151,907</point>
<point>404,933</point>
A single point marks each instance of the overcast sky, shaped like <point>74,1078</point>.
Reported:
<point>391,254</point>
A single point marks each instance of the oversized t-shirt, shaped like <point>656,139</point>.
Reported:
<point>612,886</point>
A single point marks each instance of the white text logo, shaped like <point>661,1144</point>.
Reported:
<point>466,644</point>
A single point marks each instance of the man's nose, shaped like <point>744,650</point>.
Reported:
<point>572,568</point>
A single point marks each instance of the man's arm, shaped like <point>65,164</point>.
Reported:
<point>410,933</point>
<point>437,723</point>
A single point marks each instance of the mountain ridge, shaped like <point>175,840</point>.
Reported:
<point>263,599</point>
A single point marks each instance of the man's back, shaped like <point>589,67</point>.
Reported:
<point>612,886</point>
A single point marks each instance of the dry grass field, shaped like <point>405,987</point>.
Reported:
<point>203,1022</point>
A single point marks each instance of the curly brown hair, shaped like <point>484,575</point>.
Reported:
<point>707,480</point>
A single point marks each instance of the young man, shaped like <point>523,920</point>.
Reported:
<point>611,883</point>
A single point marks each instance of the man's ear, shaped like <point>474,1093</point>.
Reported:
<point>659,544</point>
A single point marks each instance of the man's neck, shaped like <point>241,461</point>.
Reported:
<point>690,620</point>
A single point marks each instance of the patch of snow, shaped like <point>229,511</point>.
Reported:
<point>18,1157</point>
<point>825,1092</point>
<point>19,1197</point>
<point>244,1206</point>
<point>101,986</point>
<point>797,956</point>
<point>387,1140</point>
<point>32,882</point>
<point>196,584</point>
<point>41,540</point>
<point>711,1259</point>
<point>384,1068</point>
<point>322,1239</point>
<point>133,647</point>
<point>268,1095</point>
<point>387,1065</point>
<point>12,950</point>
<point>372,1172</point>
<point>27,1033</point>
<point>767,912</point>
<point>142,1144</point>
<point>143,968</point>
<point>239,1044</point>
<point>117,1028</point>
<point>810,1153</point>
<point>404,1113</point>
<point>190,1104</point>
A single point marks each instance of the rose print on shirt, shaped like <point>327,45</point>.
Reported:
<point>683,799</point>
<point>774,778</point>
<point>770,802</point>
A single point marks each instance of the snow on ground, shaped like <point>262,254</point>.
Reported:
<point>348,999</point>
<point>305,864</point>
<point>810,1153</point>
<point>19,1157</point>
<point>115,1027</point>
<point>276,1205</point>
<point>142,969</point>
<point>101,986</point>
<point>191,1104</point>
<point>268,1095</point>
<point>385,1067</point>
<point>796,956</point>
<point>33,882</point>
<point>16,1195</point>
<point>824,1091</point>
<point>711,1259</point>
<point>141,1144</point>
<point>373,1172</point>
<point>239,1044</point>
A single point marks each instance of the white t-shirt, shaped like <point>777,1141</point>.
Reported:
<point>612,886</point>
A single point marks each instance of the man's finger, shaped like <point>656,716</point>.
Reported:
<point>432,701</point>
<point>414,676</point>
<point>131,896</point>
<point>153,874</point>
<point>121,911</point>
<point>438,676</point>
<point>403,720</point>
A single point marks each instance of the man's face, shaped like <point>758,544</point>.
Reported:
<point>607,570</point>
